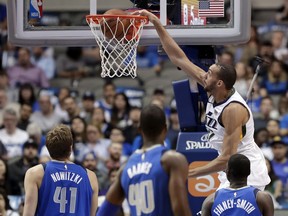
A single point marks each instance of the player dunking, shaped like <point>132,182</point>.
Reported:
<point>238,199</point>
<point>60,187</point>
<point>228,118</point>
<point>153,179</point>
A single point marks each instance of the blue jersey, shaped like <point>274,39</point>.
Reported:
<point>145,183</point>
<point>238,202</point>
<point>65,190</point>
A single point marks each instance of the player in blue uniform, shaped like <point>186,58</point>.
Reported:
<point>238,199</point>
<point>153,180</point>
<point>60,187</point>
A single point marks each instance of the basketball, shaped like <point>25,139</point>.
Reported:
<point>110,28</point>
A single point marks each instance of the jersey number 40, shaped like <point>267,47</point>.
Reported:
<point>141,195</point>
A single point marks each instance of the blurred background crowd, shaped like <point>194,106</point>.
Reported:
<point>41,87</point>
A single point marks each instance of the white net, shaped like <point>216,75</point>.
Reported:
<point>118,44</point>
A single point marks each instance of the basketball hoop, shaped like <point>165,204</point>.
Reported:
<point>117,43</point>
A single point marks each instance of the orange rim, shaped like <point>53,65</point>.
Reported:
<point>96,17</point>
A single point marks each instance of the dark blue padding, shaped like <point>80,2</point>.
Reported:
<point>195,147</point>
<point>187,105</point>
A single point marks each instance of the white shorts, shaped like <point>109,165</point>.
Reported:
<point>224,183</point>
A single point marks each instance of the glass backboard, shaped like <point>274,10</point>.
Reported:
<point>189,22</point>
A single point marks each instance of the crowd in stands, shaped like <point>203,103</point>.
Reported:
<point>105,129</point>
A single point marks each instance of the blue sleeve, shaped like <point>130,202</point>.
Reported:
<point>108,208</point>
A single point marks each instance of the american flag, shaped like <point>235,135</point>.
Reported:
<point>211,8</point>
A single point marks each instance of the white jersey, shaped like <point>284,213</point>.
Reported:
<point>247,146</point>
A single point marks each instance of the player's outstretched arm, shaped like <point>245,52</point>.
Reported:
<point>174,52</point>
<point>175,164</point>
<point>94,184</point>
<point>207,205</point>
<point>114,198</point>
<point>265,203</point>
<point>32,180</point>
<point>232,137</point>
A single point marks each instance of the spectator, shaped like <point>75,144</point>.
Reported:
<point>275,186</point>
<point>115,152</point>
<point>4,176</point>
<point>261,137</point>
<point>226,57</point>
<point>71,65</point>
<point>98,119</point>
<point>255,98</point>
<point>9,53</point>
<point>88,100</point>
<point>44,61</point>
<point>265,51</point>
<point>106,103</point>
<point>117,136</point>
<point>35,134</point>
<point>90,162</point>
<point>27,95</point>
<point>111,178</point>
<point>148,58</point>
<point>273,128</point>
<point>4,84</point>
<point>25,114</point>
<point>280,166</point>
<point>276,81</point>
<point>284,128</point>
<point>279,42</point>
<point>12,137</point>
<point>159,94</point>
<point>91,56</point>
<point>157,102</point>
<point>5,208</point>
<point>283,105</point>
<point>18,167</point>
<point>3,152</point>
<point>78,129</point>
<point>59,106</point>
<point>120,111</point>
<point>26,72</point>
<point>132,129</point>
<point>266,112</point>
<point>71,108</point>
<point>46,118</point>
<point>242,84</point>
<point>96,142</point>
<point>5,103</point>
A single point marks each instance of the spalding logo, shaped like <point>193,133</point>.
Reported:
<point>203,144</point>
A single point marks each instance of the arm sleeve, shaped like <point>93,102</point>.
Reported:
<point>107,208</point>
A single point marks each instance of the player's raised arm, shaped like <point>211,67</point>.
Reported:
<point>175,164</point>
<point>174,52</point>
<point>114,198</point>
<point>233,134</point>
